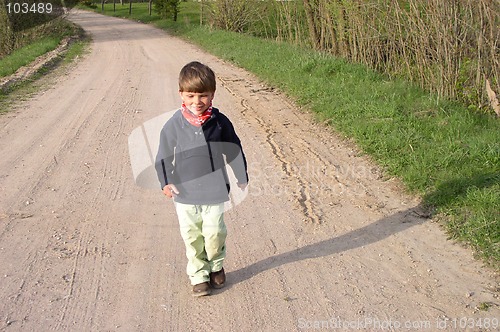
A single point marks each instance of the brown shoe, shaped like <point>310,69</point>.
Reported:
<point>202,289</point>
<point>218,279</point>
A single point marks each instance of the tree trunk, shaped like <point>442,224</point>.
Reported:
<point>7,40</point>
<point>313,32</point>
<point>333,32</point>
<point>202,5</point>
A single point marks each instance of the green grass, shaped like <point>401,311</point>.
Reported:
<point>25,55</point>
<point>36,42</point>
<point>441,151</point>
<point>75,49</point>
<point>24,89</point>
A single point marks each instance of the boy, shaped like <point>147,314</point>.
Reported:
<point>191,168</point>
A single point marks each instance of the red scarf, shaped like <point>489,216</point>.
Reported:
<point>197,121</point>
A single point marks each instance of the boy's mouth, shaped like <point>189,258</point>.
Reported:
<point>194,108</point>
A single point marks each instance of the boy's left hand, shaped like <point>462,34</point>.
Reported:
<point>242,186</point>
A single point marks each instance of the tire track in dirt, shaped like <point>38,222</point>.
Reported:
<point>302,194</point>
<point>102,175</point>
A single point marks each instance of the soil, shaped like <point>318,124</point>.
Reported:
<point>323,240</point>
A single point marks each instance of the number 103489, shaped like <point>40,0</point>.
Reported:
<point>472,323</point>
<point>28,8</point>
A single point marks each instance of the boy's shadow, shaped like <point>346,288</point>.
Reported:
<point>371,233</point>
<point>447,193</point>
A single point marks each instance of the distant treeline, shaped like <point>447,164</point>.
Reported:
<point>449,47</point>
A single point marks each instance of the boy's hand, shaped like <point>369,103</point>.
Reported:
<point>242,186</point>
<point>170,190</point>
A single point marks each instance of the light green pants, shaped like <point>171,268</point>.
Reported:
<point>204,233</point>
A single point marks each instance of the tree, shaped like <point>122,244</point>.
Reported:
<point>311,8</point>
<point>167,8</point>
<point>7,37</point>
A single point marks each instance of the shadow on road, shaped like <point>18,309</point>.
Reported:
<point>445,194</point>
<point>372,233</point>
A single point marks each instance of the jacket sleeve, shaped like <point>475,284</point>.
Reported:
<point>164,162</point>
<point>234,152</point>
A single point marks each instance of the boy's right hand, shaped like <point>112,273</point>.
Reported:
<point>170,191</point>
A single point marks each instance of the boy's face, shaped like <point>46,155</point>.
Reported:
<point>197,102</point>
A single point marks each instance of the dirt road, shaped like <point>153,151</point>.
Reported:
<point>321,241</point>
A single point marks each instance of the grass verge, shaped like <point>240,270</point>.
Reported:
<point>25,55</point>
<point>50,36</point>
<point>25,88</point>
<point>440,150</point>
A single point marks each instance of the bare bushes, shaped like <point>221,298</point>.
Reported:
<point>233,15</point>
<point>449,47</point>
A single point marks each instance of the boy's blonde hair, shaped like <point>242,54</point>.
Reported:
<point>196,77</point>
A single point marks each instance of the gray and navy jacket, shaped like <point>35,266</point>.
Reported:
<point>194,158</point>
